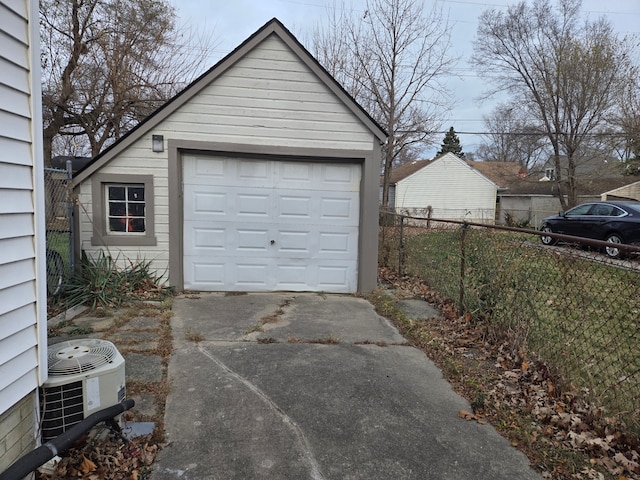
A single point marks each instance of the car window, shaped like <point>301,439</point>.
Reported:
<point>602,210</point>
<point>579,210</point>
<point>617,212</point>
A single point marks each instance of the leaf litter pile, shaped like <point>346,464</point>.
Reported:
<point>106,460</point>
<point>564,436</point>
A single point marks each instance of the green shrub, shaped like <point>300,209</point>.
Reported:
<point>101,282</point>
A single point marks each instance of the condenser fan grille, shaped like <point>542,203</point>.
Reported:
<point>79,356</point>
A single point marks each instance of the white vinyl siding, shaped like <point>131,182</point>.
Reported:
<point>269,97</point>
<point>453,190</point>
<point>22,312</point>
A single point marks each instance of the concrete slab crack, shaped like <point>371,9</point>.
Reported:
<point>302,439</point>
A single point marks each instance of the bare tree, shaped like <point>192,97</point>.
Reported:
<point>511,137</point>
<point>391,58</point>
<point>107,64</point>
<point>566,73</point>
<point>628,146</point>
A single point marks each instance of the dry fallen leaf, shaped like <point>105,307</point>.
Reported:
<point>87,466</point>
<point>467,415</point>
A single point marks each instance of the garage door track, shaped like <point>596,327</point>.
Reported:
<point>307,386</point>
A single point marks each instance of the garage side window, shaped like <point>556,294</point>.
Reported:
<point>123,210</point>
<point>126,209</point>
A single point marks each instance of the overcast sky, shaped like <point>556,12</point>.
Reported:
<point>233,21</point>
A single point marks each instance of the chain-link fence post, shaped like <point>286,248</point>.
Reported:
<point>463,267</point>
<point>401,248</point>
<point>72,253</point>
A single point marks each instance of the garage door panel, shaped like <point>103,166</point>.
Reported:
<point>294,175</point>
<point>253,204</point>
<point>296,207</point>
<point>250,276</point>
<point>290,242</point>
<point>340,209</point>
<point>252,172</point>
<point>292,277</point>
<point>333,278</point>
<point>204,274</point>
<point>254,225</point>
<point>207,203</point>
<point>207,238</point>
<point>339,177</point>
<point>252,240</point>
<point>207,167</point>
<point>336,244</point>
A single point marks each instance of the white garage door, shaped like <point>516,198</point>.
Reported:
<point>264,225</point>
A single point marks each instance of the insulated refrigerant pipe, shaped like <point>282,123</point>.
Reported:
<point>41,455</point>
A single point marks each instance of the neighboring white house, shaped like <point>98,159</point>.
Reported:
<point>445,188</point>
<point>261,175</point>
<point>23,322</point>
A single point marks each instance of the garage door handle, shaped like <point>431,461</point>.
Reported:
<point>272,242</point>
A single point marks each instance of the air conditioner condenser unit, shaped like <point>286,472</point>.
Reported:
<point>85,375</point>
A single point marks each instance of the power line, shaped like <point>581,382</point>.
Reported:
<point>532,134</point>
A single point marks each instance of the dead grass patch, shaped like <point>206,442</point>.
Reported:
<point>267,340</point>
<point>372,342</point>
<point>270,319</point>
<point>328,340</point>
<point>192,336</point>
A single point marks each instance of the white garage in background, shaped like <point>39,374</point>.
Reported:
<point>264,177</point>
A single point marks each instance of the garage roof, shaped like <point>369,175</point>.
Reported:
<point>275,27</point>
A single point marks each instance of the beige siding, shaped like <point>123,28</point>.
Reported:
<point>452,189</point>
<point>16,424</point>
<point>129,163</point>
<point>631,191</point>
<point>22,315</point>
<point>269,97</point>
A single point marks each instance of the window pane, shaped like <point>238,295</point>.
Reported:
<point>136,209</point>
<point>117,209</point>
<point>136,225</point>
<point>116,225</point>
<point>136,194</point>
<point>116,193</point>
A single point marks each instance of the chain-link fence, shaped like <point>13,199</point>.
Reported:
<point>570,305</point>
<point>59,225</point>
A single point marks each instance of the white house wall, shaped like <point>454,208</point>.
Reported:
<point>453,190</point>
<point>20,209</point>
<point>269,97</point>
<point>23,322</point>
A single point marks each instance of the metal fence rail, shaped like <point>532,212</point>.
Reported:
<point>59,226</point>
<point>572,306</point>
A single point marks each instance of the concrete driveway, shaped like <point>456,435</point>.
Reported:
<point>306,386</point>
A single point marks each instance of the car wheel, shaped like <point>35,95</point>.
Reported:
<point>614,252</point>
<point>546,239</point>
